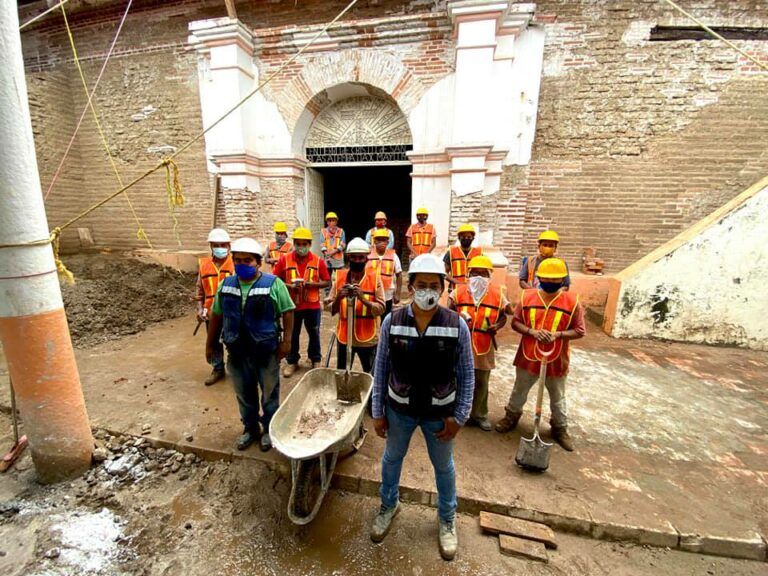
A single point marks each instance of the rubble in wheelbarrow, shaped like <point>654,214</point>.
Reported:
<point>323,416</point>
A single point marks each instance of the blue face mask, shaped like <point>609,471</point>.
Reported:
<point>244,271</point>
<point>550,287</point>
<point>220,253</point>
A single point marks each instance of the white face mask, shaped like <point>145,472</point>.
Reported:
<point>426,299</point>
<point>220,252</point>
<point>478,285</point>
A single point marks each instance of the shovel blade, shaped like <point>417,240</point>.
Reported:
<point>347,388</point>
<point>533,454</point>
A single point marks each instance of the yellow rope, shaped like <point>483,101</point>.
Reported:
<point>718,36</point>
<point>60,268</point>
<point>140,234</point>
<point>175,193</point>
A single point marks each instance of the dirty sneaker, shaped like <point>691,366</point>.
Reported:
<point>214,377</point>
<point>508,423</point>
<point>483,423</point>
<point>265,443</point>
<point>315,365</point>
<point>449,540</point>
<point>561,436</point>
<point>290,370</point>
<point>247,438</point>
<point>383,522</point>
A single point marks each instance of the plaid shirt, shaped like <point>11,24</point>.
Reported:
<point>464,367</point>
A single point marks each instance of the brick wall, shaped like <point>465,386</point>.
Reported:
<point>636,140</point>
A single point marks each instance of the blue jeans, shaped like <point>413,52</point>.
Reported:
<point>311,321</point>
<point>254,380</point>
<point>217,360</point>
<point>399,432</point>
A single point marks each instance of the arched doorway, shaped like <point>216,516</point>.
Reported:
<point>356,148</point>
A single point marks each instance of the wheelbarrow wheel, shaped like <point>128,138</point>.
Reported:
<point>306,473</point>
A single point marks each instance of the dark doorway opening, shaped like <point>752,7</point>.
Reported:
<point>356,193</point>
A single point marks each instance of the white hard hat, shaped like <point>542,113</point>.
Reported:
<point>358,246</point>
<point>248,245</point>
<point>427,264</point>
<point>218,235</point>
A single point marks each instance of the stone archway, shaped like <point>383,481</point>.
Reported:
<point>359,139</point>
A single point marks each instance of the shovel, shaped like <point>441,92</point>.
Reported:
<point>533,453</point>
<point>347,387</point>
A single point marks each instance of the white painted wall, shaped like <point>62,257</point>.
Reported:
<point>715,285</point>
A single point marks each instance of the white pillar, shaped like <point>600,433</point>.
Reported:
<point>33,326</point>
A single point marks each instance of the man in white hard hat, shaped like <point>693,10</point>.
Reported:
<point>424,378</point>
<point>211,271</point>
<point>365,285</point>
<point>249,313</point>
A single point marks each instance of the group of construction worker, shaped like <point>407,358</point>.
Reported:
<point>431,364</point>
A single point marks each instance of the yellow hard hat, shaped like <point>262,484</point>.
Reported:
<point>331,215</point>
<point>481,262</point>
<point>422,211</point>
<point>281,227</point>
<point>552,268</point>
<point>302,234</point>
<point>381,233</point>
<point>549,235</point>
<point>380,216</point>
<point>466,228</point>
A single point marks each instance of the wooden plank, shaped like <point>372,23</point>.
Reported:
<point>512,546</point>
<point>231,11</point>
<point>498,524</point>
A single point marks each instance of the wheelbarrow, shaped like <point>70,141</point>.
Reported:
<point>313,427</point>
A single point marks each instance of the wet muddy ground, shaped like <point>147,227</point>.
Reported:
<point>229,519</point>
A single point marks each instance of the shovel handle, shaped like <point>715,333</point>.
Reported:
<point>350,330</point>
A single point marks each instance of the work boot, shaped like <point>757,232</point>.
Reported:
<point>449,540</point>
<point>266,443</point>
<point>214,376</point>
<point>561,436</point>
<point>508,423</point>
<point>383,522</point>
<point>290,370</point>
<point>247,438</point>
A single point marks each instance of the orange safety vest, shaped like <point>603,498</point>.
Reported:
<point>384,265</point>
<point>311,274</point>
<point>211,276</point>
<point>484,314</point>
<point>460,263</point>
<point>364,323</point>
<point>421,238</point>
<point>531,269</point>
<point>333,242</point>
<point>274,251</point>
<point>554,317</point>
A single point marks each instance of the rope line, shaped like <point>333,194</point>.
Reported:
<point>140,234</point>
<point>88,103</point>
<point>173,186</point>
<point>718,36</point>
<point>42,14</point>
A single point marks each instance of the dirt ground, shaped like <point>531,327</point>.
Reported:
<point>150,512</point>
<point>114,296</point>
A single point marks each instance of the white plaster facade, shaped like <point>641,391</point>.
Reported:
<point>465,127</point>
<point>710,287</point>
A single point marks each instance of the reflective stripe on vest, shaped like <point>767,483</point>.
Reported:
<point>274,251</point>
<point>364,323</point>
<point>421,238</point>
<point>384,265</point>
<point>211,277</point>
<point>553,317</point>
<point>459,262</point>
<point>333,242</point>
<point>485,314</point>
<point>311,274</point>
<point>531,269</point>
